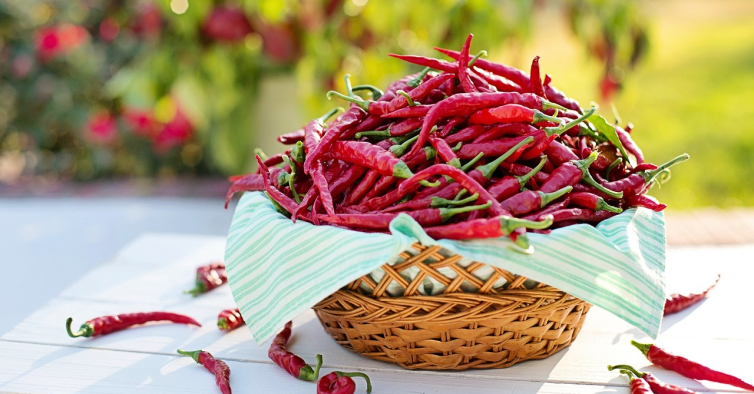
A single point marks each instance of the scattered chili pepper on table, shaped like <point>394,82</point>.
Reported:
<point>293,364</point>
<point>106,324</point>
<point>657,386</point>
<point>686,367</point>
<point>218,367</point>
<point>676,302</point>
<point>229,319</point>
<point>341,383</point>
<point>637,385</point>
<point>209,277</point>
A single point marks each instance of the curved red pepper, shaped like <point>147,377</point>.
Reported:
<point>218,368</point>
<point>229,319</point>
<point>293,364</point>
<point>341,383</point>
<point>208,277</point>
<point>106,324</point>
<point>657,386</point>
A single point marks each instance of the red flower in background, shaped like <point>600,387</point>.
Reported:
<point>174,133</point>
<point>101,128</point>
<point>142,122</point>
<point>53,41</point>
<point>148,22</point>
<point>227,24</point>
<point>109,29</point>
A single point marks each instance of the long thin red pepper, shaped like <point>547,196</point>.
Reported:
<point>476,101</point>
<point>502,130</point>
<point>394,130</point>
<point>535,79</point>
<point>581,214</point>
<point>676,302</point>
<point>341,383</point>
<point>420,92</point>
<point>637,385</point>
<point>637,183</point>
<point>372,156</point>
<point>323,188</point>
<point>529,200</point>
<point>521,170</point>
<point>592,201</point>
<point>314,130</point>
<point>362,188</point>
<point>208,277</point>
<point>559,153</point>
<point>463,67</point>
<point>292,137</point>
<point>410,112</point>
<point>686,367</point>
<point>106,324</point>
<point>512,184</point>
<point>510,113</point>
<point>657,386</point>
<point>248,183</point>
<point>229,319</point>
<point>467,134</point>
<point>445,151</point>
<point>538,215</point>
<point>347,120</point>
<point>284,201</point>
<point>437,201</point>
<point>218,367</point>
<point>571,173</point>
<point>643,200</point>
<point>629,144</point>
<point>381,221</point>
<point>494,227</point>
<point>291,363</point>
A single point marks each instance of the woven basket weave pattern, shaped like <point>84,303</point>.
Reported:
<point>491,328</point>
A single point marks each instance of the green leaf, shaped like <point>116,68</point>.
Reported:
<point>608,131</point>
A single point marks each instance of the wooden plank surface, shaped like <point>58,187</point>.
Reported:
<point>151,273</point>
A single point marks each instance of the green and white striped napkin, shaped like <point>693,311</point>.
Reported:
<point>278,269</point>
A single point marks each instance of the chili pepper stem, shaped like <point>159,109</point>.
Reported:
<point>332,112</point>
<point>409,100</point>
<point>522,179</point>
<point>357,374</point>
<point>414,82</point>
<point>649,176</point>
<point>85,331</point>
<point>510,224</point>
<point>541,117</point>
<point>644,347</point>
<point>440,202</point>
<point>375,133</point>
<point>447,213</point>
<point>361,103</point>
<point>549,197</point>
<point>199,288</point>
<point>347,83</point>
<point>455,162</point>
<point>583,165</point>
<point>550,131</point>
<point>612,166</point>
<point>259,152</point>
<point>476,57</point>
<point>602,205</point>
<point>193,354</point>
<point>465,167</point>
<point>376,92</point>
<point>624,367</point>
<point>308,374</point>
<point>488,169</point>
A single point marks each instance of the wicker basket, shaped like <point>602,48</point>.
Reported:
<point>492,328</point>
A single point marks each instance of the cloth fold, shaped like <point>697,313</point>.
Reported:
<point>278,269</point>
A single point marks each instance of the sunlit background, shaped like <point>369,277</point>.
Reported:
<point>184,90</point>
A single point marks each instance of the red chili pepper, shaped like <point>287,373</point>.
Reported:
<point>218,367</point>
<point>571,173</point>
<point>323,189</point>
<point>106,324</point>
<point>441,200</point>
<point>502,130</point>
<point>494,227</point>
<point>385,182</point>
<point>248,183</point>
<point>445,151</point>
<point>340,383</point>
<point>420,92</point>
<point>657,386</point>
<point>372,122</point>
<point>293,364</point>
<point>208,277</point>
<point>279,197</point>
<point>372,156</point>
<point>686,367</point>
<point>381,221</point>
<point>538,215</point>
<point>535,79</point>
<point>229,319</point>
<point>466,134</point>
<point>559,153</point>
<point>410,112</point>
<point>351,117</point>
<point>518,77</point>
<point>677,302</point>
<point>501,84</point>
<point>512,184</point>
<point>450,126</point>
<point>483,173</point>
<point>361,190</point>
<point>592,201</point>
<point>463,67</point>
<point>637,385</point>
<point>629,144</point>
<point>394,130</point>
<point>292,137</point>
<point>475,101</point>
<point>521,170</point>
<point>510,113</point>
<point>437,64</point>
<point>314,130</point>
<point>637,183</point>
<point>642,200</point>
<point>528,201</point>
<point>489,148</point>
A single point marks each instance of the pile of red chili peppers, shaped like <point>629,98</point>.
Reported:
<point>525,155</point>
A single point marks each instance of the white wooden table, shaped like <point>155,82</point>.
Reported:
<point>37,356</point>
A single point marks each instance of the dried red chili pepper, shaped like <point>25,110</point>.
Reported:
<point>292,137</point>
<point>229,319</point>
<point>580,214</point>
<point>494,227</point>
<point>323,188</point>
<point>637,385</point>
<point>528,201</point>
<point>656,385</point>
<point>592,201</point>
<point>106,324</point>
<point>463,67</point>
<point>341,383</point>
<point>420,92</point>
<point>686,367</point>
<point>510,113</point>
<point>538,215</point>
<point>467,134</point>
<point>445,151</point>
<point>218,367</point>
<point>677,302</point>
<point>637,183</point>
<point>293,364</point>
<point>502,130</point>
<point>535,79</point>
<point>512,184</point>
<point>642,200</point>
<point>410,112</point>
<point>381,221</point>
<point>279,197</point>
<point>371,156</point>
<point>559,153</point>
<point>629,144</point>
<point>248,183</point>
<point>208,277</point>
<point>394,130</point>
<point>344,122</point>
<point>313,132</point>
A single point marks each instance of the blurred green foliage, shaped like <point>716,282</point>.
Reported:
<point>95,88</point>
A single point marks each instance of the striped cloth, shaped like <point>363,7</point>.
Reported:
<point>278,269</point>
